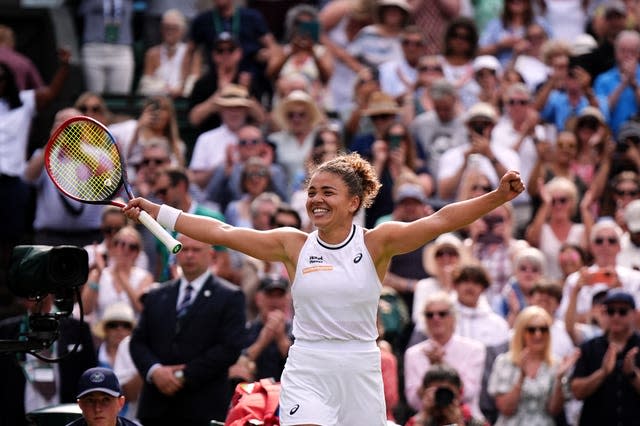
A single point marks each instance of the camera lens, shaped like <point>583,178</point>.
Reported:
<point>443,397</point>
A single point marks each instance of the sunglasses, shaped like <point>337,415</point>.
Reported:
<point>528,268</point>
<point>259,173</point>
<point>155,161</point>
<point>461,36</point>
<point>382,117</point>
<point>441,314</point>
<point>414,43</point>
<point>427,68</point>
<point>161,192</point>
<point>521,102</point>
<point>112,325</point>
<point>446,252</point>
<point>627,193</point>
<point>90,108</point>
<point>130,246</point>
<point>110,230</point>
<point>600,240</point>
<point>222,50</point>
<point>622,311</point>
<point>485,72</point>
<point>245,142</point>
<point>568,145</point>
<point>484,188</point>
<point>296,114</point>
<point>533,330</point>
<point>589,123</point>
<point>559,200</point>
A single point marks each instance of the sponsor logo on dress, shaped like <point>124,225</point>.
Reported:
<point>294,409</point>
<point>358,258</point>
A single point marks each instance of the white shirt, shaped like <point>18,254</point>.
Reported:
<point>397,77</point>
<point>481,324</point>
<point>14,133</point>
<point>629,255</point>
<point>211,147</point>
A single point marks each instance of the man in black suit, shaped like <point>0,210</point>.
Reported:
<point>28,384</point>
<point>183,350</point>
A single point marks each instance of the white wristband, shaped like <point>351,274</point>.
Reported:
<point>167,217</point>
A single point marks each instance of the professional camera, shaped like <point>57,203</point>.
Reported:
<point>37,271</point>
<point>443,397</point>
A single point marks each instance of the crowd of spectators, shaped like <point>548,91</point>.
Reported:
<point>525,316</point>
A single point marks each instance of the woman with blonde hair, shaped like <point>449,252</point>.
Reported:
<point>552,224</point>
<point>524,381</point>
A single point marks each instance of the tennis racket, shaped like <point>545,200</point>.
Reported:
<point>84,163</point>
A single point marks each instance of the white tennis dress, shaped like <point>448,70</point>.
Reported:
<point>332,375</point>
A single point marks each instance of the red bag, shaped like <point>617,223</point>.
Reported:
<point>255,404</point>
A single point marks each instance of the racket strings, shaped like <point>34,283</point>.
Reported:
<point>85,162</point>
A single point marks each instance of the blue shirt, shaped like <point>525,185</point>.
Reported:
<point>627,105</point>
<point>558,110</point>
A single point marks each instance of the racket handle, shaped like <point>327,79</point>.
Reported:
<point>161,234</point>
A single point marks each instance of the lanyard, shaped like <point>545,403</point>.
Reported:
<point>113,10</point>
<point>235,23</point>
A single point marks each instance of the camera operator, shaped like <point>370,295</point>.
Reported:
<point>441,403</point>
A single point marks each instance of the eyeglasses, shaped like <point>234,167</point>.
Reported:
<point>441,314</point>
<point>543,329</point>
<point>427,68</point>
<point>484,188</point>
<point>446,252</point>
<point>155,161</point>
<point>566,145</point>
<point>621,310</point>
<point>90,108</point>
<point>112,325</point>
<point>521,102</point>
<point>600,240</point>
<point>461,36</point>
<point>110,230</point>
<point>222,50</point>
<point>130,246</point>
<point>528,268</point>
<point>559,200</point>
<point>382,117</point>
<point>245,142</point>
<point>627,193</point>
<point>296,114</point>
<point>258,173</point>
<point>413,43</point>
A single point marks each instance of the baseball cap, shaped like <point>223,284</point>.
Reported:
<point>225,37</point>
<point>629,129</point>
<point>632,216</point>
<point>273,282</point>
<point>615,7</point>
<point>619,296</point>
<point>487,62</point>
<point>409,190</point>
<point>98,379</point>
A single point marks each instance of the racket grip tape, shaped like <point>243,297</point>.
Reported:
<point>160,233</point>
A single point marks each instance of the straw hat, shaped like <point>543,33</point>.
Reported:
<point>482,110</point>
<point>401,4</point>
<point>233,95</point>
<point>381,103</point>
<point>118,311</point>
<point>445,240</point>
<point>298,97</point>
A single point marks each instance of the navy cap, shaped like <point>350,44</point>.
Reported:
<point>225,37</point>
<point>98,379</point>
<point>619,296</point>
<point>273,283</point>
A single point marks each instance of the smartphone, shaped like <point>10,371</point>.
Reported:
<point>309,29</point>
<point>601,277</point>
<point>394,141</point>
<point>478,127</point>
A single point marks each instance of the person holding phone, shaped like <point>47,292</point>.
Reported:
<point>333,374</point>
<point>303,54</point>
<point>479,152</point>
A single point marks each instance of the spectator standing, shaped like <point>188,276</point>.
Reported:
<point>168,68</point>
<point>629,255</point>
<point>525,381</point>
<point>398,76</point>
<point>528,268</point>
<point>26,74</point>
<point>444,347</point>
<point>107,45</point>
<point>607,376</point>
<point>190,331</point>
<point>458,52</point>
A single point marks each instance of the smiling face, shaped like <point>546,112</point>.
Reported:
<point>329,203</point>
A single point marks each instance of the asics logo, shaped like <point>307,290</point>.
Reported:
<point>294,409</point>
<point>358,258</point>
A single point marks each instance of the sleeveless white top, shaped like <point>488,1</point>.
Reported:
<point>170,69</point>
<point>336,290</point>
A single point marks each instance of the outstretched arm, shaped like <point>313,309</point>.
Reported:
<point>393,238</point>
<point>276,245</point>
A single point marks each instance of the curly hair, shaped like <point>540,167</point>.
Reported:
<point>357,173</point>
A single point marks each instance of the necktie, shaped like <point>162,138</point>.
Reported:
<point>183,307</point>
